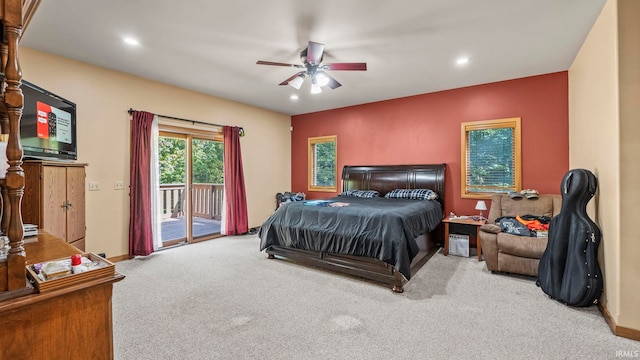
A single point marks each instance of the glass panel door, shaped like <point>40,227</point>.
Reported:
<point>173,202</point>
<point>207,187</point>
<point>191,187</point>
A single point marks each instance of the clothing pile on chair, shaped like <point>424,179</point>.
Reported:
<point>525,225</point>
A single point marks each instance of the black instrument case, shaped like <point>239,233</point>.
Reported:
<point>569,271</point>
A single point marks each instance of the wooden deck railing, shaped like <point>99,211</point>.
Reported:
<point>207,200</point>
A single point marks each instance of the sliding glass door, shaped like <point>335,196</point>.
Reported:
<point>207,187</point>
<point>191,186</point>
<point>172,158</point>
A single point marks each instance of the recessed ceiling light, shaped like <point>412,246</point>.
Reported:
<point>462,60</point>
<point>293,97</point>
<point>131,41</point>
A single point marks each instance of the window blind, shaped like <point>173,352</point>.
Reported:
<point>490,165</point>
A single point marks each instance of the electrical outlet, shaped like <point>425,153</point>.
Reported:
<point>118,185</point>
<point>94,185</point>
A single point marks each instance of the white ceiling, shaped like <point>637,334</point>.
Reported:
<point>410,46</point>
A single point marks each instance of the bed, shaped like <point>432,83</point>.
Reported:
<point>377,239</point>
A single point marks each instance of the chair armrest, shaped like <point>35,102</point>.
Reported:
<point>491,228</point>
<point>489,242</point>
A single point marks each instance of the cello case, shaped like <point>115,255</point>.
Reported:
<point>569,271</point>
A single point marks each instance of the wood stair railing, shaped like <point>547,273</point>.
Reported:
<point>15,16</point>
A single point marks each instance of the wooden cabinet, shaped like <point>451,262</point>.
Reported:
<point>54,199</point>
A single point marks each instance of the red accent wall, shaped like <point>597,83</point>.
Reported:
<point>425,129</point>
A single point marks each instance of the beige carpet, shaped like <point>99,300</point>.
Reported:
<point>223,299</point>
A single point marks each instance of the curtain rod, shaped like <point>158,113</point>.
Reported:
<point>187,120</point>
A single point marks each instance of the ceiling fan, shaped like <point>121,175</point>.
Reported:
<point>311,58</point>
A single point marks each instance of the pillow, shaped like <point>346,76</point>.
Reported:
<point>414,194</point>
<point>360,193</point>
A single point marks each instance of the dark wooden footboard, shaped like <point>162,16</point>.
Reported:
<point>359,266</point>
<point>368,268</point>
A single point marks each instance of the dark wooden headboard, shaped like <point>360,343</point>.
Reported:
<point>385,178</point>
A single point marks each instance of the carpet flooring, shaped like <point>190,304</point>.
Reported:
<point>223,299</point>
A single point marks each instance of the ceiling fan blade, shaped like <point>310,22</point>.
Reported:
<point>260,62</point>
<point>286,82</point>
<point>333,83</point>
<point>345,66</point>
<point>314,52</point>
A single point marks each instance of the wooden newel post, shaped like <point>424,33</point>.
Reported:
<point>14,181</point>
<point>4,125</point>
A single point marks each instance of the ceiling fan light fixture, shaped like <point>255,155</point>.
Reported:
<point>315,88</point>
<point>297,82</point>
<point>322,79</point>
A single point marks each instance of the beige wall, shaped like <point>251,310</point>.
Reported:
<point>103,97</point>
<point>601,81</point>
<point>594,136</point>
<point>629,85</point>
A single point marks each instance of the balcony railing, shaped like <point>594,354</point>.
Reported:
<point>207,200</point>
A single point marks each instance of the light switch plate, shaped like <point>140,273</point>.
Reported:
<point>94,185</point>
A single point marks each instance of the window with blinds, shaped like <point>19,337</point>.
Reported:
<point>323,164</point>
<point>490,157</point>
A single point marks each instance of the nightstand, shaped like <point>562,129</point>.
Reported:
<point>463,226</point>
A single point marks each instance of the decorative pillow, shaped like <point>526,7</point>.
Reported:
<point>361,193</point>
<point>414,194</point>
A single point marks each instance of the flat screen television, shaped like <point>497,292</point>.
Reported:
<point>48,125</point>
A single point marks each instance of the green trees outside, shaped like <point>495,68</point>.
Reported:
<point>171,155</point>
<point>325,163</point>
<point>208,157</point>
<point>207,161</point>
<point>491,158</point>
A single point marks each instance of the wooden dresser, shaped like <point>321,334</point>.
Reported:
<point>69,323</point>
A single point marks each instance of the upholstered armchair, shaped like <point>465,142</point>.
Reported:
<point>516,254</point>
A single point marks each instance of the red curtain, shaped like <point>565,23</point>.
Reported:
<point>235,196</point>
<point>140,222</point>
